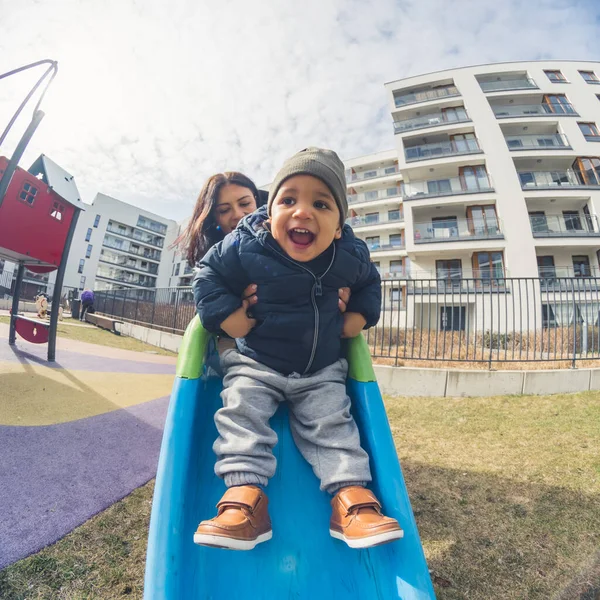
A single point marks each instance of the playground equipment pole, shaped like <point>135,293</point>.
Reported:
<point>15,304</point>
<point>60,275</point>
<point>16,157</point>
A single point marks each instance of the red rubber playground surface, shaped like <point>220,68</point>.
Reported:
<point>75,435</point>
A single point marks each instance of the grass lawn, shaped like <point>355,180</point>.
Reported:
<point>506,493</point>
<point>95,335</point>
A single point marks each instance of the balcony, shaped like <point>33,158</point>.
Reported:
<point>374,195</point>
<point>457,281</point>
<point>372,174</point>
<point>554,141</point>
<point>152,269</point>
<point>564,226</point>
<point>569,279</point>
<point>510,111</point>
<point>520,83</point>
<point>432,120</point>
<point>366,221</point>
<point>554,179</point>
<point>426,95</point>
<point>144,253</point>
<point>452,186</point>
<point>455,230</point>
<point>399,274</point>
<point>442,149</point>
<point>126,278</point>
<point>138,236</point>
<point>159,228</point>
<point>376,247</point>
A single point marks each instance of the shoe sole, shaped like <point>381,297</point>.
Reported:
<point>368,542</point>
<point>227,543</point>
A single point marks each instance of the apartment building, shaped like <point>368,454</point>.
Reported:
<point>118,246</point>
<point>495,174</point>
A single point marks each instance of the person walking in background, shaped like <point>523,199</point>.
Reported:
<point>87,303</point>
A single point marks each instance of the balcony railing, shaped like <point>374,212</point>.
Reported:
<point>151,269</point>
<point>426,95</point>
<point>125,279</point>
<point>138,236</point>
<point>456,230</point>
<point>553,141</point>
<point>441,149</point>
<point>401,274</point>
<point>431,120</point>
<point>533,110</point>
<point>375,220</point>
<point>373,195</point>
<point>372,174</point>
<point>453,186</point>
<point>521,83</point>
<point>554,179</point>
<point>450,281</point>
<point>159,228</point>
<point>145,253</point>
<point>579,278</point>
<point>569,225</point>
<point>375,247</point>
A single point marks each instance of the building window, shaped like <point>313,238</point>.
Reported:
<point>590,131</point>
<point>28,193</point>
<point>581,266</point>
<point>488,265</point>
<point>81,265</point>
<point>377,265</point>
<point>372,242</point>
<point>452,318</point>
<point>557,104</point>
<point>555,76</point>
<point>88,252</point>
<point>177,267</point>
<point>448,269</point>
<point>97,221</point>
<point>587,170</point>
<point>82,282</point>
<point>396,240</point>
<point>394,215</point>
<point>590,76</point>
<point>57,211</point>
<point>372,218</point>
<point>88,235</point>
<point>396,266</point>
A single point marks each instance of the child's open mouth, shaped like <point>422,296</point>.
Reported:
<point>301,237</point>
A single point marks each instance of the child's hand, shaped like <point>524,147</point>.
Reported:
<point>354,323</point>
<point>238,324</point>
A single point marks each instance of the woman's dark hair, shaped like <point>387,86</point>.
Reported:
<point>202,233</point>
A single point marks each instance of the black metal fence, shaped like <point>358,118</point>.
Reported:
<point>485,320</point>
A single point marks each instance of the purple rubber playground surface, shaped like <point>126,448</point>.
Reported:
<point>55,477</point>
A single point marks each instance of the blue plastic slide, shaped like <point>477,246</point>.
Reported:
<point>301,561</point>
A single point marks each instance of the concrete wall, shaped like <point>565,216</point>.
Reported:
<point>154,337</point>
<point>6,304</point>
<point>405,381</point>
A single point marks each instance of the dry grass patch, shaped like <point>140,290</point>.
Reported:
<point>95,335</point>
<point>506,492</point>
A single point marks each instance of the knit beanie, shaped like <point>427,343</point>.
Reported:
<point>318,162</point>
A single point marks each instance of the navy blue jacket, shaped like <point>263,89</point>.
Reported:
<point>299,324</point>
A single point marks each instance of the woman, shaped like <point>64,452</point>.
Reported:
<point>225,199</point>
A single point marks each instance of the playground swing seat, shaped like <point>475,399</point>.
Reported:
<point>302,560</point>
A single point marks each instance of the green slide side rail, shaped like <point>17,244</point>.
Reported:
<point>195,342</point>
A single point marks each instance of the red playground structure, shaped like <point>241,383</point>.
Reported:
<point>38,216</point>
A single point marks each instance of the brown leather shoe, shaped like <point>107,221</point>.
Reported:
<point>241,523</point>
<point>357,519</point>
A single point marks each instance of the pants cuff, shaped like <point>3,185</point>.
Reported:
<point>336,487</point>
<point>242,478</point>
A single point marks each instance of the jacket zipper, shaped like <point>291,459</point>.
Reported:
<point>317,290</point>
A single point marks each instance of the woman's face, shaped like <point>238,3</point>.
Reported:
<point>234,203</point>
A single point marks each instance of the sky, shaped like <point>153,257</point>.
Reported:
<point>152,97</point>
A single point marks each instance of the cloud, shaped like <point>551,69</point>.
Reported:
<point>153,97</point>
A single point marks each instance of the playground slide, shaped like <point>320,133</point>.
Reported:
<point>301,561</point>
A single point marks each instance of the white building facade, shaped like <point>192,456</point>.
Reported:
<point>117,246</point>
<point>495,174</point>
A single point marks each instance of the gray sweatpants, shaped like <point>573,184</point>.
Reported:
<point>322,426</point>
